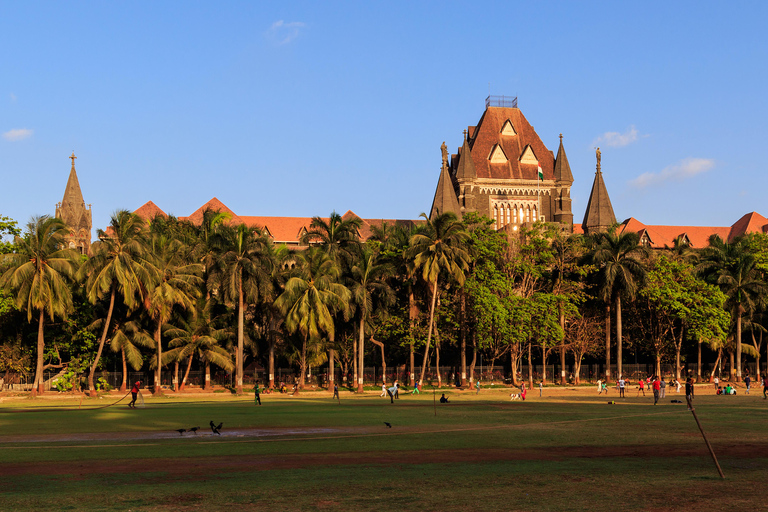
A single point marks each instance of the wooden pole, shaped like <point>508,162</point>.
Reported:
<point>709,446</point>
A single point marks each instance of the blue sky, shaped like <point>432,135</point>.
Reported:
<point>301,108</point>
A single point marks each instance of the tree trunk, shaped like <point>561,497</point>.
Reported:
<point>176,376</point>
<point>543,365</point>
<point>514,361</point>
<point>738,344</point>
<point>240,335</point>
<point>157,388</point>
<point>717,364</point>
<point>272,364</point>
<point>731,366</point>
<point>37,386</point>
<point>91,386</point>
<point>618,335</point>
<point>331,368</point>
<point>429,333</point>
<point>383,361</point>
<point>303,363</point>
<point>698,369</point>
<point>361,351</point>
<point>186,374</point>
<point>530,365</point>
<point>207,383</point>
<point>463,339</point>
<point>678,348</point>
<point>412,316</point>
<point>563,380</point>
<point>607,342</point>
<point>355,361</point>
<point>472,365</point>
<point>123,385</point>
<point>658,363</point>
<point>437,359</point>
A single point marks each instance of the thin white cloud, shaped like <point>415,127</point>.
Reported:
<point>17,134</point>
<point>616,139</point>
<point>13,98</point>
<point>687,168</point>
<point>283,33</point>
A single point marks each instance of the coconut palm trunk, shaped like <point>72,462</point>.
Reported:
<point>361,351</point>
<point>739,314</point>
<point>463,339</point>
<point>158,389</point>
<point>331,368</point>
<point>303,363</point>
<point>37,386</point>
<point>186,374</point>
<point>91,386</point>
<point>607,342</point>
<point>429,333</point>
<point>618,335</point>
<point>124,383</point>
<point>240,335</point>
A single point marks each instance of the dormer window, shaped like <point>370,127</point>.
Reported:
<point>528,157</point>
<point>508,129</point>
<point>497,156</point>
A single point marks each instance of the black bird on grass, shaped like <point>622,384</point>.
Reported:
<point>181,431</point>
<point>215,428</point>
<point>194,430</point>
<point>389,425</point>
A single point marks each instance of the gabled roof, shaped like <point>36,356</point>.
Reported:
<point>664,236</point>
<point>562,168</point>
<point>750,223</point>
<point>445,196</point>
<point>599,214</point>
<point>149,211</point>
<point>488,133</point>
<point>217,206</point>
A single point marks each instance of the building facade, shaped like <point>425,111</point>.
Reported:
<point>504,171</point>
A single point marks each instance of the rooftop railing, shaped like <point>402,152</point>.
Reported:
<point>501,101</point>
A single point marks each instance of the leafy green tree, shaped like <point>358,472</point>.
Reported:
<point>440,249</point>
<point>246,278</point>
<point>40,274</point>
<point>310,300</point>
<point>117,267</point>
<point>127,337</point>
<point>10,228</point>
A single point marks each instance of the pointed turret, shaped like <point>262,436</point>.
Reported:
<point>72,210</point>
<point>562,169</point>
<point>466,169</point>
<point>445,197</point>
<point>599,215</point>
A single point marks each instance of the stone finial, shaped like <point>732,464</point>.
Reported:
<point>73,159</point>
<point>598,155</point>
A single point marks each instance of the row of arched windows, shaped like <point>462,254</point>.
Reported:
<point>505,213</point>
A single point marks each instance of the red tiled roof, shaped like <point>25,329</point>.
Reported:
<point>215,205</point>
<point>488,133</point>
<point>664,236</point>
<point>749,223</point>
<point>149,211</point>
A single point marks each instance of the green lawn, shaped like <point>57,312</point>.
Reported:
<point>570,451</point>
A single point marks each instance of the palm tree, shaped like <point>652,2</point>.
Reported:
<point>620,273</point>
<point>734,269</point>
<point>245,277</point>
<point>340,239</point>
<point>438,249</point>
<point>126,339</point>
<point>39,274</point>
<point>311,298</point>
<point>116,267</point>
<point>175,282</point>
<point>197,336</point>
<point>367,283</point>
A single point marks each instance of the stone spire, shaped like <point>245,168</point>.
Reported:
<point>561,196</point>
<point>445,196</point>
<point>599,215</point>
<point>72,210</point>
<point>466,169</point>
<point>562,169</point>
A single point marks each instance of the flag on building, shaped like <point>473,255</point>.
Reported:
<point>541,173</point>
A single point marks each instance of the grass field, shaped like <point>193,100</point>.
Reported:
<point>569,450</point>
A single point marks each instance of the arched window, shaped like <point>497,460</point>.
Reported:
<point>496,216</point>
<point>527,215</point>
<point>514,215</point>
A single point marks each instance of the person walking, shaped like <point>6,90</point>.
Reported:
<point>656,389</point>
<point>541,387</point>
<point>599,386</point>
<point>335,391</point>
<point>689,392</point>
<point>747,382</point>
<point>717,382</point>
<point>663,390</point>
<point>258,397</point>
<point>416,388</point>
<point>477,387</point>
<point>641,389</point>
<point>677,385</point>
<point>134,394</point>
<point>384,389</point>
<point>622,383</point>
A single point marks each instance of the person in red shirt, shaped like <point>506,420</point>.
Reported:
<point>656,389</point>
<point>134,394</point>
<point>641,389</point>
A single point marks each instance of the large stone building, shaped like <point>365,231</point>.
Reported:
<point>73,211</point>
<point>504,171</point>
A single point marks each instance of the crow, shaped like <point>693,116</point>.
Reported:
<point>194,430</point>
<point>215,429</point>
<point>181,431</point>
<point>389,425</point>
